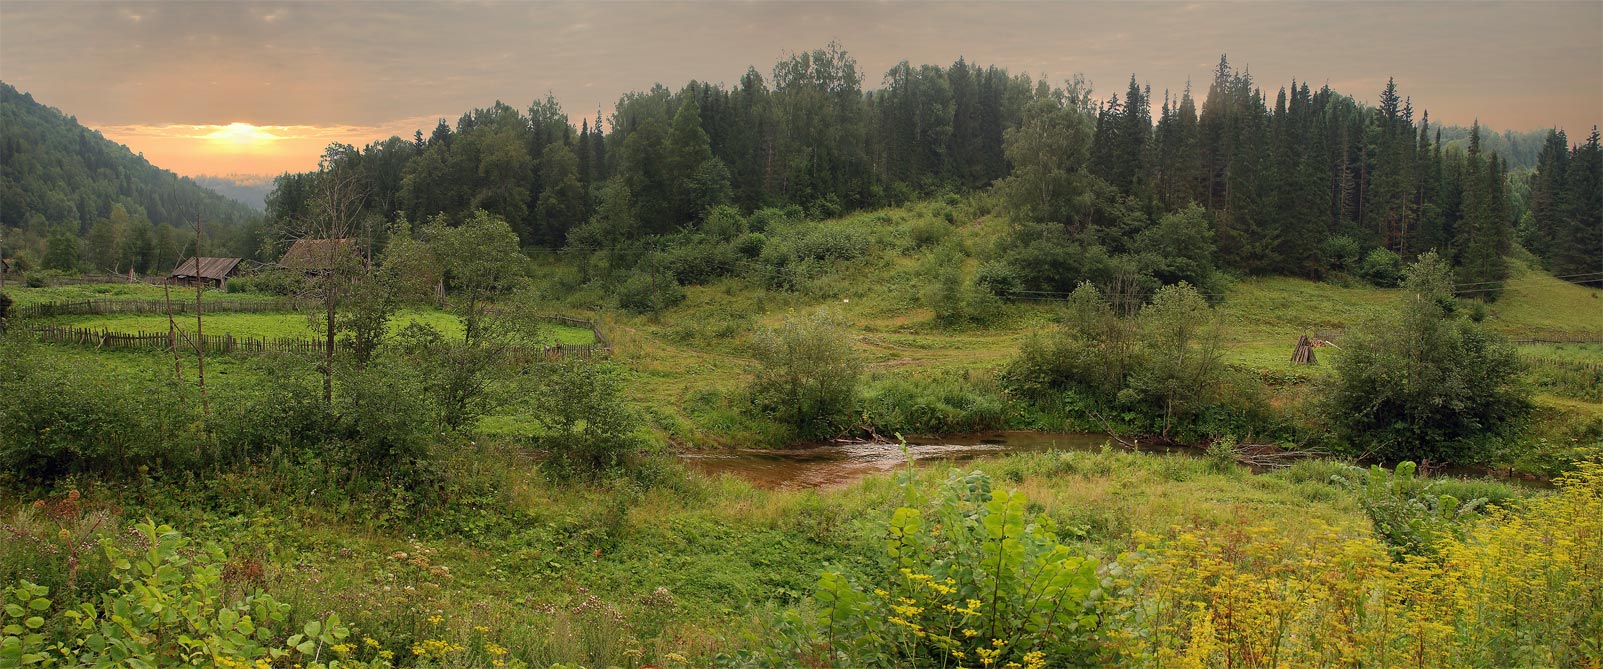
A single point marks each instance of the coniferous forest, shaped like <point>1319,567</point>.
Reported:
<point>1289,179</point>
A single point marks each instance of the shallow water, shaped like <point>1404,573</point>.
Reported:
<point>833,465</point>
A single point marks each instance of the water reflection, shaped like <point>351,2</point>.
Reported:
<point>832,465</point>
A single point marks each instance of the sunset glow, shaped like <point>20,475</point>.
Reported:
<point>241,136</point>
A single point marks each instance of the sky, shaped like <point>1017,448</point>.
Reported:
<point>260,88</point>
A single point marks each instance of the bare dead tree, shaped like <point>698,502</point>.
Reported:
<point>331,263</point>
<point>200,341</point>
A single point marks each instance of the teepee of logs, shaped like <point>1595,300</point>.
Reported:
<point>1304,355</point>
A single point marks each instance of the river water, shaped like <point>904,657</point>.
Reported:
<point>838,464</point>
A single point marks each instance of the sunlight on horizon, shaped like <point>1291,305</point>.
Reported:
<point>241,136</point>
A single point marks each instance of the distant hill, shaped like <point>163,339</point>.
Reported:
<point>55,174</point>
<point>251,189</point>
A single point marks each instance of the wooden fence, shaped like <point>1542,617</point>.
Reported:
<point>1560,340</point>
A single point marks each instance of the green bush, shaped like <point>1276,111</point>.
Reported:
<point>806,375</point>
<point>1409,513</point>
<point>642,293</point>
<point>970,578</point>
<point>1425,383</point>
<point>998,278</point>
<point>944,404</point>
<point>1342,253</point>
<point>169,608</point>
<point>587,427</point>
<point>1381,268</point>
<point>696,260</point>
<point>384,416</point>
<point>59,419</point>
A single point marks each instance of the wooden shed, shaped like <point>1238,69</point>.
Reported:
<point>316,256</point>
<point>205,271</point>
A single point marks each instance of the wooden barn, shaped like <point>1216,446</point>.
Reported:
<point>212,272</point>
<point>316,256</point>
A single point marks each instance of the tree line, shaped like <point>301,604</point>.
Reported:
<point>1305,181</point>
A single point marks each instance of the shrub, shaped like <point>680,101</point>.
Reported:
<point>59,418</point>
<point>169,608</point>
<point>946,403</point>
<point>767,219</point>
<point>997,278</point>
<point>587,426</point>
<point>384,416</point>
<point>643,293</point>
<point>927,232</point>
<point>750,245</point>
<point>806,374</point>
<point>1381,268</point>
<point>1341,253</point>
<point>970,579</point>
<point>697,260</point>
<point>1408,512</point>
<point>1425,383</point>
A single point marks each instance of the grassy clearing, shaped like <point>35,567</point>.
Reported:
<point>116,291</point>
<point>294,324</point>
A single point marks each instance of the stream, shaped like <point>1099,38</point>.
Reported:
<point>839,464</point>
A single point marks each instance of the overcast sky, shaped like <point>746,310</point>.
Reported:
<point>166,77</point>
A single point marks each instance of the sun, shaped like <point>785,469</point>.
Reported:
<point>241,136</point>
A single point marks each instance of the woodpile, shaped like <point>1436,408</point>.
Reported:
<point>1304,355</point>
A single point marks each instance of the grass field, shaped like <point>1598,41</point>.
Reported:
<point>117,291</point>
<point>294,324</point>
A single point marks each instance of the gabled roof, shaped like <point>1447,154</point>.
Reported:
<point>316,253</point>
<point>210,268</point>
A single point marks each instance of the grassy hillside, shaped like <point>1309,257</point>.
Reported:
<point>691,361</point>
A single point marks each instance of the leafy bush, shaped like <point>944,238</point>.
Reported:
<point>750,245</point>
<point>587,427</point>
<point>1159,371</point>
<point>642,293</point>
<point>1342,253</point>
<point>927,232</point>
<point>385,417</point>
<point>59,418</point>
<point>698,260</point>
<point>997,278</point>
<point>806,374</point>
<point>1425,383</point>
<point>167,609</point>
<point>970,579</point>
<point>944,404</point>
<point>1381,268</point>
<point>1409,513</point>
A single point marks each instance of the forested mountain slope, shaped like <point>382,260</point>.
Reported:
<point>59,177</point>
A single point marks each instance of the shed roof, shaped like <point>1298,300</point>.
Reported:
<point>210,268</point>
<point>316,253</point>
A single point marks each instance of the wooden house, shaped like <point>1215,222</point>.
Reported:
<point>316,256</point>
<point>205,271</point>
